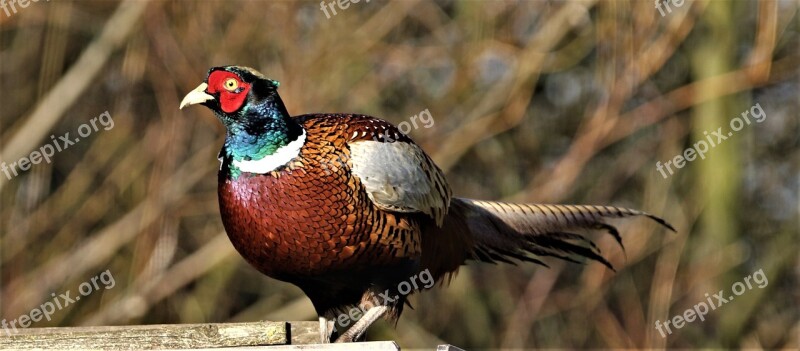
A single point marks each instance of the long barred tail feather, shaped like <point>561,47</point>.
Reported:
<point>502,232</point>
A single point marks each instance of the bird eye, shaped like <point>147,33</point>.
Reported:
<point>230,84</point>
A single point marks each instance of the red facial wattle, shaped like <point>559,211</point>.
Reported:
<point>232,90</point>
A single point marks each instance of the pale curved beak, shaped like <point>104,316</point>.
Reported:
<point>196,96</point>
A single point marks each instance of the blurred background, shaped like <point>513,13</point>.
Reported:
<point>533,101</point>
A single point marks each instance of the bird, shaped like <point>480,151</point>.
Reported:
<point>348,208</point>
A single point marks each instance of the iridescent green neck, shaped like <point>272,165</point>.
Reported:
<point>242,146</point>
<point>261,130</point>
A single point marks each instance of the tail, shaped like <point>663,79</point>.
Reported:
<point>502,232</point>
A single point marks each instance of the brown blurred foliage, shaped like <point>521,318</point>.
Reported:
<point>534,101</point>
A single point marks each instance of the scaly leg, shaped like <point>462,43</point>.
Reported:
<point>358,329</point>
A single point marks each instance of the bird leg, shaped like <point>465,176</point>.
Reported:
<point>325,330</point>
<point>358,329</point>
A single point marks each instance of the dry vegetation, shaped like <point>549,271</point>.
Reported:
<point>535,101</point>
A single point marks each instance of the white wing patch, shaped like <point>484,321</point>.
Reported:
<point>279,158</point>
<point>400,177</point>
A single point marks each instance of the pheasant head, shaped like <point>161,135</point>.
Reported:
<point>248,105</point>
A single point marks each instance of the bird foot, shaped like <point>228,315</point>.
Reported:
<point>360,327</point>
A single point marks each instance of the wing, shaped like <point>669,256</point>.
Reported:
<point>396,173</point>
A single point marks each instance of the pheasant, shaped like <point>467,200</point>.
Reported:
<point>347,208</point>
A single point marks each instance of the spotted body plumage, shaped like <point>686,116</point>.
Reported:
<point>314,209</point>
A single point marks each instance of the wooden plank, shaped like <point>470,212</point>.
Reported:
<point>358,346</point>
<point>144,337</point>
<point>304,333</point>
<point>261,335</point>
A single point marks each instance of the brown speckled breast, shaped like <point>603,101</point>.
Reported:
<point>313,217</point>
